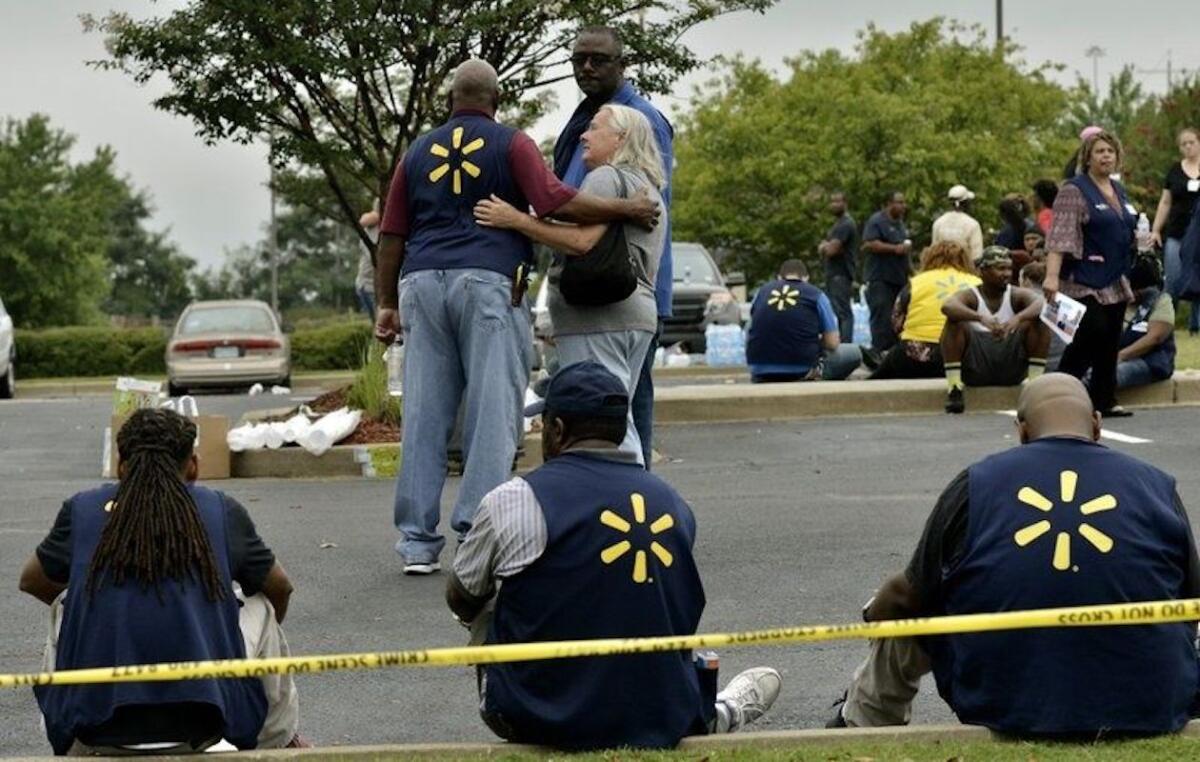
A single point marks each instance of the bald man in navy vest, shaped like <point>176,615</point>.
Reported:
<point>456,291</point>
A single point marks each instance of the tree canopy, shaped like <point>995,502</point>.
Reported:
<point>917,111</point>
<point>344,85</point>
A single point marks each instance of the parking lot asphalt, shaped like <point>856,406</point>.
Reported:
<point>798,521</point>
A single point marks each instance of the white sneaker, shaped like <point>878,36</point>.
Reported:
<point>749,695</point>
<point>422,567</point>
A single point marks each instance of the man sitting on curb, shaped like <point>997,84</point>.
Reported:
<point>591,545</point>
<point>1148,339</point>
<point>1120,534</point>
<point>794,332</point>
<point>144,571</point>
<point>993,334</point>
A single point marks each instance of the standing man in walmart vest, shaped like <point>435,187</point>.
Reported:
<point>466,325</point>
<point>599,65</point>
<point>590,545</point>
<point>1058,521</point>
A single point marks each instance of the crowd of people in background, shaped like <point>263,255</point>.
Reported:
<point>967,303</point>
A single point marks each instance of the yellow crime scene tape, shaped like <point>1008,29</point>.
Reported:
<point>1149,612</point>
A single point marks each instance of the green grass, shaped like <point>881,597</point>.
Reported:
<point>1187,355</point>
<point>1172,748</point>
<point>369,392</point>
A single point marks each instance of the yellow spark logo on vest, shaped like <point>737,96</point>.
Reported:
<point>949,287</point>
<point>1062,543</point>
<point>610,554</point>
<point>783,298</point>
<point>444,153</point>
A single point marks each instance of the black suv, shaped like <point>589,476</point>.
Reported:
<point>699,296</point>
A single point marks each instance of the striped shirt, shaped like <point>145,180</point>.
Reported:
<point>509,532</point>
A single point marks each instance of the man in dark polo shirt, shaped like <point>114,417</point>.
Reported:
<point>1059,520</point>
<point>887,245</point>
<point>461,303</point>
<point>590,545</point>
<point>838,251</point>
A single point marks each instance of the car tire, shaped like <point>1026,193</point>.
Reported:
<point>8,382</point>
<point>175,391</point>
<point>287,381</point>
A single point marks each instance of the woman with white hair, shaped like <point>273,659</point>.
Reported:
<point>622,158</point>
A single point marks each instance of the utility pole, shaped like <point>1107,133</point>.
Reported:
<point>272,238</point>
<point>999,24</point>
<point>1095,53</point>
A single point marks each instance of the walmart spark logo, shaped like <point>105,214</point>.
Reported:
<point>442,152</point>
<point>949,287</point>
<point>1062,542</point>
<point>610,554</point>
<point>783,298</point>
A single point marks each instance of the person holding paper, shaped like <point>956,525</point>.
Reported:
<point>1089,253</point>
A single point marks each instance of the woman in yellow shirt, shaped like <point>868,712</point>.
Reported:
<point>946,269</point>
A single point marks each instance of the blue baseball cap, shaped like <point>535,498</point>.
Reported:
<point>585,389</point>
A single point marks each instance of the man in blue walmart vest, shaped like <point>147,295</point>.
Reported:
<point>590,545</point>
<point>466,325</point>
<point>1058,521</point>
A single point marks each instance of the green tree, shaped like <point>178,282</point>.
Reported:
<point>149,275</point>
<point>55,224</point>
<point>1116,112</point>
<point>916,111</point>
<point>344,85</point>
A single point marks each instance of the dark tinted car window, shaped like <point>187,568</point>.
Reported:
<point>692,265</point>
<point>227,320</point>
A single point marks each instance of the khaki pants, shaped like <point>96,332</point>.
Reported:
<point>883,687</point>
<point>264,639</point>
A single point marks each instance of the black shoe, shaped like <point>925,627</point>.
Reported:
<point>837,720</point>
<point>870,358</point>
<point>954,401</point>
<point>1116,411</point>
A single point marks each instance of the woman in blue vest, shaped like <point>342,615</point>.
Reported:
<point>622,159</point>
<point>1089,252</point>
<point>145,568</point>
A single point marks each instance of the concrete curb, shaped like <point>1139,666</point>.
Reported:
<point>765,402</point>
<point>306,382</point>
<point>727,742</point>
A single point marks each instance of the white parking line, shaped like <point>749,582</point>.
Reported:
<point>1116,436</point>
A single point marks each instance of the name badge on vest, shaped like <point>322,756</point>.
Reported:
<point>1193,186</point>
<point>1141,327</point>
<point>1129,208</point>
<point>1102,207</point>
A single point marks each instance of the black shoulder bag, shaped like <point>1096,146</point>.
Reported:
<point>606,274</point>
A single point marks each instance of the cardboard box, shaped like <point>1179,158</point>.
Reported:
<point>211,447</point>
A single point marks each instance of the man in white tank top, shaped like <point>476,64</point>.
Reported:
<point>993,336</point>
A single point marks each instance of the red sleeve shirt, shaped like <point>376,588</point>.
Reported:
<point>544,191</point>
<point>395,211</point>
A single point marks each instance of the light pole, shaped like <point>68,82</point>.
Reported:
<point>1095,53</point>
<point>999,24</point>
<point>272,239</point>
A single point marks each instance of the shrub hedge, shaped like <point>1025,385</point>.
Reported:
<point>102,351</point>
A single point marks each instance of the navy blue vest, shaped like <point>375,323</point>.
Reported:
<point>785,326</point>
<point>446,172</point>
<point>1107,237</point>
<point>618,564</point>
<point>1161,359</point>
<point>1064,522</point>
<point>128,625</point>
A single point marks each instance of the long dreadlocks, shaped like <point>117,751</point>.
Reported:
<point>154,531</point>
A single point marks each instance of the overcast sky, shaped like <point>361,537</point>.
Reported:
<point>213,198</point>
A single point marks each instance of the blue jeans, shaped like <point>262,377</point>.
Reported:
<point>623,354</point>
<point>642,404</point>
<point>464,342</point>
<point>1133,372</point>
<point>366,300</point>
<point>835,366</point>
<point>1173,273</point>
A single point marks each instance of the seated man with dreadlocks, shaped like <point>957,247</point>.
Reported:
<point>144,571</point>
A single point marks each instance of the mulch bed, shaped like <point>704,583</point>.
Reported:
<point>368,432</point>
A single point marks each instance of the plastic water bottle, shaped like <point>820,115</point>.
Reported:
<point>1143,233</point>
<point>395,367</point>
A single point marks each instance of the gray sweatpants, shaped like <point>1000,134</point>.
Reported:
<point>264,639</point>
<point>622,353</point>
